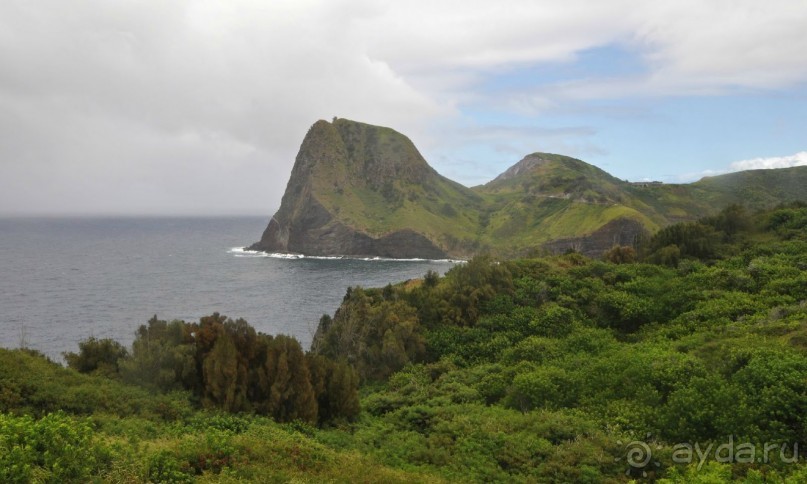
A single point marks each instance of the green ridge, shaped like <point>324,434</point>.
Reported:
<point>372,180</point>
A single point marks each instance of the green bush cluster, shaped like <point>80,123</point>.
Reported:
<point>711,346</point>
<point>55,448</point>
<point>226,364</point>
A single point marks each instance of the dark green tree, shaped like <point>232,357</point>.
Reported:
<point>97,356</point>
<point>162,356</point>
<point>224,379</point>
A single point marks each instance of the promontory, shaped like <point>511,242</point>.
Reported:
<point>363,190</point>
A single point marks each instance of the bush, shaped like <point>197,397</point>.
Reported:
<point>97,355</point>
<point>56,448</point>
<point>165,467</point>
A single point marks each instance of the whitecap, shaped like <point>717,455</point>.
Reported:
<point>243,252</point>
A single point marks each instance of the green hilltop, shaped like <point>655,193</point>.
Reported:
<point>358,189</point>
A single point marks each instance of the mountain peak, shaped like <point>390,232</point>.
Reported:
<point>535,160</point>
<point>359,189</point>
<point>380,155</point>
<point>552,175</point>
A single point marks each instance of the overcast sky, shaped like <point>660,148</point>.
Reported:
<point>199,107</point>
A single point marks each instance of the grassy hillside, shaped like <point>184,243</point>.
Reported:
<point>755,188</point>
<point>374,181</point>
<point>546,197</point>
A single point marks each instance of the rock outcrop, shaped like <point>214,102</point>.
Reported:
<point>363,190</point>
<point>356,158</point>
<point>619,232</point>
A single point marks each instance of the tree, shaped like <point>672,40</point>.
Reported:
<point>377,335</point>
<point>336,387</point>
<point>472,285</point>
<point>620,255</point>
<point>290,393</point>
<point>97,356</point>
<point>731,220</point>
<point>162,356</point>
<point>224,379</point>
<point>431,278</point>
<point>692,239</point>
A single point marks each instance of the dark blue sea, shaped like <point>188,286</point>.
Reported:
<point>63,280</point>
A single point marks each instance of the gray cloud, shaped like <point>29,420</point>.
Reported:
<point>175,107</point>
<point>199,106</point>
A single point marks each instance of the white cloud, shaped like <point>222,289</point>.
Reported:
<point>696,45</point>
<point>799,159</point>
<point>767,163</point>
<point>689,46</point>
<point>192,106</point>
<point>134,106</point>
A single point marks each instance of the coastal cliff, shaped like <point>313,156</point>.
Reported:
<point>365,191</point>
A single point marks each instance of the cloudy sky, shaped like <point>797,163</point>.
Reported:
<point>199,107</point>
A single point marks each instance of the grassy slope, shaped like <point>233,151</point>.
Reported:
<point>382,184</point>
<point>565,197</point>
<point>385,185</point>
<point>562,197</point>
<point>755,188</point>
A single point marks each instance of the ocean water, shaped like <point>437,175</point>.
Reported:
<point>63,280</point>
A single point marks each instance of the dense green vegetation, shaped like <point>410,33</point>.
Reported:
<point>548,369</point>
<point>226,365</point>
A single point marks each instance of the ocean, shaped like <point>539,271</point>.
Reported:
<point>63,280</point>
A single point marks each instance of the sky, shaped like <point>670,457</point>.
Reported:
<point>198,107</point>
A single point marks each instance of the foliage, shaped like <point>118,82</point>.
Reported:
<point>31,384</point>
<point>97,355</point>
<point>620,255</point>
<point>375,334</point>
<point>531,370</point>
<point>55,448</point>
<point>227,365</point>
<point>693,353</point>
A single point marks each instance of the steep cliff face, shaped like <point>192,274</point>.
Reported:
<point>363,190</point>
<point>619,232</point>
<point>299,210</point>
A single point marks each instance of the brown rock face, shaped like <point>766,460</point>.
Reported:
<point>303,225</point>
<point>317,233</point>
<point>621,231</point>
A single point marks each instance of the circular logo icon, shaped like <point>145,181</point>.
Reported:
<point>638,454</point>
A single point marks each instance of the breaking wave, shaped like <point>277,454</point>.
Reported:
<point>243,252</point>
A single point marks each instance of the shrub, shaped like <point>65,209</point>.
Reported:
<point>165,467</point>
<point>55,448</point>
<point>97,355</point>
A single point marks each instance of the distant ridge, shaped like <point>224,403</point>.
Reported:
<point>362,190</point>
